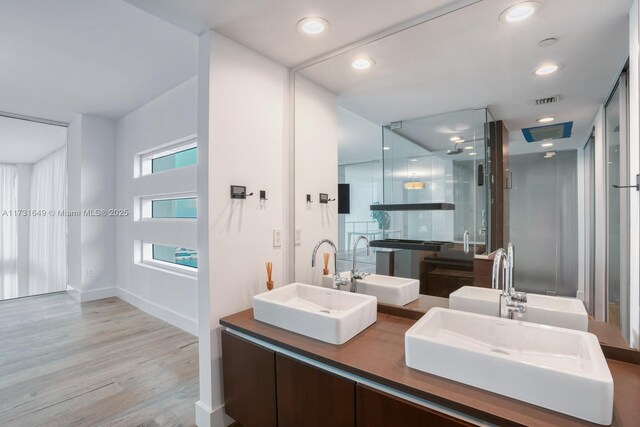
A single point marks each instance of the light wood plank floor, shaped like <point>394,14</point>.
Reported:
<point>100,363</point>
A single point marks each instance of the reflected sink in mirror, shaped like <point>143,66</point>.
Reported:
<point>389,289</point>
<point>559,369</point>
<point>546,310</point>
<point>324,314</point>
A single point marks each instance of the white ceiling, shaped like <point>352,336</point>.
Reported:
<point>64,57</point>
<point>23,141</point>
<point>269,26</point>
<point>469,59</point>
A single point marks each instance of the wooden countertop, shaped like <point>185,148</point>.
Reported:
<point>377,354</point>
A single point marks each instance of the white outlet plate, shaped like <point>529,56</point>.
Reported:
<point>277,238</point>
<point>298,237</point>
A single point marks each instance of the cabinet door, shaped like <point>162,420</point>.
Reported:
<point>249,375</point>
<point>378,409</point>
<point>310,397</point>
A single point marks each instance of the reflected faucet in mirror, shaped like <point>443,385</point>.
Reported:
<point>354,269</point>
<point>337,280</point>
<point>515,302</point>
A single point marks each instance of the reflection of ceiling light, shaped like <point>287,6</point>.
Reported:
<point>413,160</point>
<point>473,154</point>
<point>549,154</point>
<point>546,69</point>
<point>455,138</point>
<point>313,26</point>
<point>545,119</point>
<point>386,148</point>
<point>468,147</point>
<point>519,12</point>
<point>547,144</point>
<point>362,63</point>
<point>460,141</point>
<point>414,185</point>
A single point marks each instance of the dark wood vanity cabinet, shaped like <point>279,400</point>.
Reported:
<point>249,378</point>
<point>379,409</point>
<point>310,397</point>
<point>263,388</point>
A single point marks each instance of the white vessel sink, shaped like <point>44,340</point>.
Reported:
<point>543,309</point>
<point>325,314</point>
<point>389,289</point>
<point>559,369</point>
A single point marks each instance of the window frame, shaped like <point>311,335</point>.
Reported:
<point>143,162</point>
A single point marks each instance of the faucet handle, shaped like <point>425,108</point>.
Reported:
<point>339,281</point>
<point>519,296</point>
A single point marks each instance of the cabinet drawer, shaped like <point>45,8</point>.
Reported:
<point>379,409</point>
<point>310,397</point>
<point>249,376</point>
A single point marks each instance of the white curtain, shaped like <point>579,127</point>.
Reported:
<point>48,232</point>
<point>8,232</point>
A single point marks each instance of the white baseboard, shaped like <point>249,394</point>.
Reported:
<point>206,417</point>
<point>162,313</point>
<point>91,294</point>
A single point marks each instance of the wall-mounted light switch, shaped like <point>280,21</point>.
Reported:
<point>277,238</point>
<point>298,237</point>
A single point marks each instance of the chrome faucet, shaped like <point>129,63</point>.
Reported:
<point>516,296</point>
<point>513,305</point>
<point>354,270</point>
<point>337,280</point>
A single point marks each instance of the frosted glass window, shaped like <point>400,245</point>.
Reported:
<point>175,255</point>
<point>175,208</point>
<point>179,159</point>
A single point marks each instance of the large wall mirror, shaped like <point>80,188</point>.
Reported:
<point>445,141</point>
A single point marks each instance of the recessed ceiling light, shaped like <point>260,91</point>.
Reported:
<point>473,154</point>
<point>386,148</point>
<point>455,138</point>
<point>547,144</point>
<point>546,119</point>
<point>363,63</point>
<point>413,160</point>
<point>546,69</point>
<point>519,12</point>
<point>313,26</point>
<point>468,147</point>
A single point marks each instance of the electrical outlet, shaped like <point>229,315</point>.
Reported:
<point>90,273</point>
<point>277,238</point>
<point>298,237</point>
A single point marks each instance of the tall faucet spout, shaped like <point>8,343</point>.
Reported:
<point>335,254</point>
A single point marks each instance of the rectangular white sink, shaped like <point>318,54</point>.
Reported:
<point>389,289</point>
<point>559,369</point>
<point>547,310</point>
<point>325,314</point>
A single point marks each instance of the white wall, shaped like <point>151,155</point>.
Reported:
<point>316,158</point>
<point>242,109</point>
<point>91,240</point>
<point>170,296</point>
<point>24,201</point>
<point>634,169</point>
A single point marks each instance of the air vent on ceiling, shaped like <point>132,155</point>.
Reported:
<point>544,133</point>
<point>547,100</point>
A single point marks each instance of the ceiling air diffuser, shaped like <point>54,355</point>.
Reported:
<point>542,133</point>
